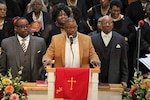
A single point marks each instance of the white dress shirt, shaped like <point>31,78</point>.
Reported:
<point>106,37</point>
<point>72,56</point>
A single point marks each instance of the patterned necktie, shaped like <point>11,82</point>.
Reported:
<point>23,45</point>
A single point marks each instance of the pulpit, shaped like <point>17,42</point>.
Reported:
<point>105,92</point>
<point>93,83</point>
<point>96,91</point>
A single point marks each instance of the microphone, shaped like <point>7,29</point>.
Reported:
<point>71,42</point>
<point>140,23</point>
<point>71,39</point>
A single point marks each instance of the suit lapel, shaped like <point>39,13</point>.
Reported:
<point>63,48</point>
<point>113,43</point>
<point>32,44</point>
<point>16,50</point>
<point>80,47</point>
<point>100,44</point>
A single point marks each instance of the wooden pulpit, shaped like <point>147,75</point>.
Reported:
<point>93,83</point>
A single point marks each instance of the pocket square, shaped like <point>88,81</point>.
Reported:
<point>118,46</point>
<point>38,51</point>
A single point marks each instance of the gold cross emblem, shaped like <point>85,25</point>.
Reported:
<point>71,81</point>
<point>59,90</point>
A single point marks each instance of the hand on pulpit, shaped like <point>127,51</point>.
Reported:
<point>124,84</point>
<point>95,63</point>
<point>47,63</point>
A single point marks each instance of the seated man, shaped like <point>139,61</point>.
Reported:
<point>71,49</point>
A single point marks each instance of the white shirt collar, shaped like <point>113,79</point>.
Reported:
<point>147,20</point>
<point>119,17</point>
<point>106,35</point>
<point>27,38</point>
<point>74,39</point>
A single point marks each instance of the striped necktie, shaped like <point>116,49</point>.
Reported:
<point>23,45</point>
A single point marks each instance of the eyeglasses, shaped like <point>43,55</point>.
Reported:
<point>36,4</point>
<point>69,28</point>
<point>3,9</point>
<point>115,10</point>
<point>23,26</point>
<point>107,23</point>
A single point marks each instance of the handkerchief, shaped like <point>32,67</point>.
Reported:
<point>118,46</point>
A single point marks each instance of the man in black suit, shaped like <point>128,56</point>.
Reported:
<point>111,49</point>
<point>23,50</point>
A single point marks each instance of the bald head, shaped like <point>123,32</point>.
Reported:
<point>105,17</point>
<point>105,24</point>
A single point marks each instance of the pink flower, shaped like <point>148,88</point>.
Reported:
<point>14,97</point>
<point>24,90</point>
<point>1,94</point>
<point>133,89</point>
<point>9,89</point>
<point>148,95</point>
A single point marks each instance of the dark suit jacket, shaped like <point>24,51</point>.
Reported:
<point>135,12</point>
<point>118,65</point>
<point>7,30</point>
<point>10,56</point>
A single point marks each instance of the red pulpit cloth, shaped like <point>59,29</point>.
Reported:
<point>71,83</point>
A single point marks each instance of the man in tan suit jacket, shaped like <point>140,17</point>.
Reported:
<point>77,41</point>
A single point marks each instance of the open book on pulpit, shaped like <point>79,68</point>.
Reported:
<point>146,61</point>
<point>41,83</point>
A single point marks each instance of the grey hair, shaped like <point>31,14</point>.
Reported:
<point>29,6</point>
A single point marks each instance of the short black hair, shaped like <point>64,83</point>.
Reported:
<point>117,3</point>
<point>18,19</point>
<point>76,13</point>
<point>59,7</point>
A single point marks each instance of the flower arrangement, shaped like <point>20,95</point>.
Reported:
<point>140,88</point>
<point>12,88</point>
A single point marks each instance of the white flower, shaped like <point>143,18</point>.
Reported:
<point>20,72</point>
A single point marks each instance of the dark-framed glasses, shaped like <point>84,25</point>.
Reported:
<point>23,26</point>
<point>37,4</point>
<point>107,23</point>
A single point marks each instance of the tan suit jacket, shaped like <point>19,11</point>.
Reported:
<point>56,50</point>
